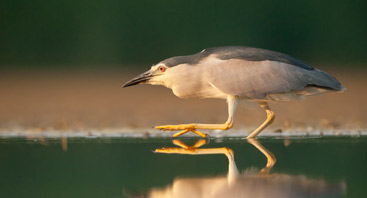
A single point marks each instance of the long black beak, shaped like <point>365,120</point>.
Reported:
<point>142,78</point>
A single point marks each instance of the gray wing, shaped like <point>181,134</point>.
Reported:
<point>236,52</point>
<point>255,54</point>
<point>256,79</point>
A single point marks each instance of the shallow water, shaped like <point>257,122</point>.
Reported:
<point>121,167</point>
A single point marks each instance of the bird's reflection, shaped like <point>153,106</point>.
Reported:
<point>250,183</point>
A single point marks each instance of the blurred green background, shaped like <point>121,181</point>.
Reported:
<point>66,33</point>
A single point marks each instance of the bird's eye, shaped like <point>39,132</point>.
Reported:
<point>161,68</point>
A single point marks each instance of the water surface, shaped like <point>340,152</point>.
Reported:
<point>232,167</point>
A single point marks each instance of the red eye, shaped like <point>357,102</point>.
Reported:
<point>162,69</point>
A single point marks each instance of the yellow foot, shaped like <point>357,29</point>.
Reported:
<point>184,127</point>
<point>176,127</point>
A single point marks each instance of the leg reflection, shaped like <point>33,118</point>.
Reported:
<point>195,150</point>
<point>269,155</point>
<point>250,183</point>
<point>232,171</point>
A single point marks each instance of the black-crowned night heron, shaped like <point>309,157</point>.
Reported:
<point>235,73</point>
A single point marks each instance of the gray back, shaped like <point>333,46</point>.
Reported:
<point>237,52</point>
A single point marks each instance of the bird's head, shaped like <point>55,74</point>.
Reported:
<point>157,75</point>
<point>169,72</point>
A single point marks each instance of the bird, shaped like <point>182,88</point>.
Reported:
<point>236,73</point>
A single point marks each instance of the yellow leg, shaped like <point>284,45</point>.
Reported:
<point>194,126</point>
<point>180,133</point>
<point>232,105</point>
<point>269,119</point>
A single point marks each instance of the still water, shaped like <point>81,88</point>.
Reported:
<point>192,167</point>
